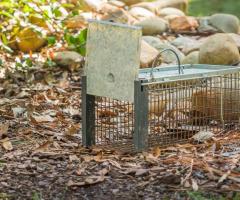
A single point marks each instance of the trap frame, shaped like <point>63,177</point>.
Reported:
<point>157,106</point>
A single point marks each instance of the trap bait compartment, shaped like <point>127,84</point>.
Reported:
<point>123,105</point>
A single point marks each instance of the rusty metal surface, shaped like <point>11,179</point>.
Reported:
<point>112,59</point>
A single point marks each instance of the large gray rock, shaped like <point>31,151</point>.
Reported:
<point>170,11</point>
<point>204,26</point>
<point>69,59</point>
<point>219,49</point>
<point>141,13</point>
<point>192,58</point>
<point>167,57</point>
<point>225,23</point>
<point>153,26</point>
<point>187,44</point>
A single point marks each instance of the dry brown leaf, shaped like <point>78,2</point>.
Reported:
<point>41,119</point>
<point>72,130</point>
<point>88,181</point>
<point>156,151</point>
<point>103,171</point>
<point>43,147</point>
<point>3,129</point>
<point>6,143</point>
<point>73,158</point>
<point>107,113</point>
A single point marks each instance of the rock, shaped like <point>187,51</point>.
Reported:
<point>187,44</point>
<point>38,20</point>
<point>120,16</point>
<point>155,6</point>
<point>225,23</point>
<point>148,54</point>
<point>116,3</point>
<point>203,136</point>
<point>29,40</point>
<point>153,25</point>
<point>91,5</point>
<point>141,13</point>
<point>69,59</point>
<point>131,2</point>
<point>236,38</point>
<point>183,23</point>
<point>192,58</point>
<point>219,49</point>
<point>107,8</point>
<point>170,11</point>
<point>167,57</point>
<point>75,22</point>
<point>204,26</point>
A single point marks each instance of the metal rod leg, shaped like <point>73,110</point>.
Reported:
<point>140,116</point>
<point>88,115</point>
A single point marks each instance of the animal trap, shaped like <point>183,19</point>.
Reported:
<point>125,105</point>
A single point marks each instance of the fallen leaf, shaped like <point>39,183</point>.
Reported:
<point>73,158</point>
<point>43,147</point>
<point>6,143</point>
<point>141,172</point>
<point>72,130</point>
<point>103,171</point>
<point>41,119</point>
<point>91,180</point>
<point>3,129</point>
<point>194,184</point>
<point>156,151</point>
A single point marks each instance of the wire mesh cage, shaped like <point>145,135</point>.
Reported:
<point>158,106</point>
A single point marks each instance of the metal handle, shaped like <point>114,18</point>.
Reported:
<point>180,69</point>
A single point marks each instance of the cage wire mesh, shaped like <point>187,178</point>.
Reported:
<point>176,111</point>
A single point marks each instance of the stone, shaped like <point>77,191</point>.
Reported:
<point>75,22</point>
<point>167,57</point>
<point>119,16</point>
<point>187,44</point>
<point>29,40</point>
<point>236,38</point>
<point>147,55</point>
<point>183,23</point>
<point>91,5</point>
<point>219,49</point>
<point>204,26</point>
<point>192,58</point>
<point>116,3</point>
<point>170,11</point>
<point>69,59</point>
<point>225,23</point>
<point>153,26</point>
<point>108,8</point>
<point>157,5</point>
<point>203,136</point>
<point>131,2</point>
<point>141,13</point>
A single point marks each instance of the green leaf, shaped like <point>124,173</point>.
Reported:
<point>51,40</point>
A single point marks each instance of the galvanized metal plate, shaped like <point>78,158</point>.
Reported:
<point>170,73</point>
<point>112,59</point>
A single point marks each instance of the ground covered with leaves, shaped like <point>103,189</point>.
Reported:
<point>42,49</point>
<point>42,156</point>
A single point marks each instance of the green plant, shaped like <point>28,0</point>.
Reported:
<point>77,42</point>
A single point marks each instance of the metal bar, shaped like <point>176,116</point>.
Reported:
<point>140,116</point>
<point>88,115</point>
